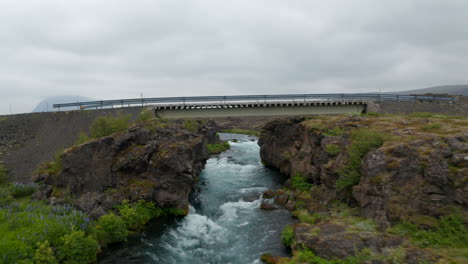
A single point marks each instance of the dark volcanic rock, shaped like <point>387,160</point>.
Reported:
<point>331,241</point>
<point>141,163</point>
<point>424,175</point>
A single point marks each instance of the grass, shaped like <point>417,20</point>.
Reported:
<point>287,235</point>
<point>332,149</point>
<point>191,125</point>
<point>362,141</point>
<point>429,127</point>
<point>218,148</point>
<point>82,138</point>
<point>336,131</point>
<point>300,183</point>
<point>36,232</point>
<point>3,174</point>
<point>25,227</point>
<point>144,116</point>
<point>103,126</point>
<point>52,167</point>
<point>19,190</point>
<point>305,217</point>
<point>307,256</point>
<point>242,131</point>
<point>431,115</point>
<point>450,231</point>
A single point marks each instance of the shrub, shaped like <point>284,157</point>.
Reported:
<point>336,131</point>
<point>77,248</point>
<point>431,127</point>
<point>218,148</point>
<point>144,115</point>
<point>305,217</point>
<point>362,141</point>
<point>44,254</point>
<point>451,232</point>
<point>300,183</point>
<point>3,174</point>
<point>104,126</point>
<point>300,204</point>
<point>52,167</point>
<point>191,125</point>
<point>22,190</point>
<point>137,215</point>
<point>5,196</point>
<point>113,227</point>
<point>82,138</point>
<point>332,149</point>
<point>24,226</point>
<point>288,235</point>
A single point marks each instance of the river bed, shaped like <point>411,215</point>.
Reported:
<point>225,224</point>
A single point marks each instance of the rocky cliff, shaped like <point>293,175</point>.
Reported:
<point>390,169</point>
<point>151,161</point>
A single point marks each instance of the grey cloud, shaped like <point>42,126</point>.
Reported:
<point>118,49</point>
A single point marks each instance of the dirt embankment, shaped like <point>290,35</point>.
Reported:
<point>27,140</point>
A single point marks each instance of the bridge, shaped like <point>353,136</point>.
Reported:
<point>256,105</point>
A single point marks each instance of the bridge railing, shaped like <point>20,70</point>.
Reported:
<point>253,98</point>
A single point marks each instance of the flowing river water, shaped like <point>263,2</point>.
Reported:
<point>225,223</point>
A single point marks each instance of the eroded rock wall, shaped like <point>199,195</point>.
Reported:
<point>415,172</point>
<point>144,162</point>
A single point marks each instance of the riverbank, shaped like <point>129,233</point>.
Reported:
<point>372,188</point>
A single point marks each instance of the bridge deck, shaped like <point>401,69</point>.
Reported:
<point>221,105</point>
<point>235,99</point>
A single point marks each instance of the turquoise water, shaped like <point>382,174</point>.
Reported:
<point>225,224</point>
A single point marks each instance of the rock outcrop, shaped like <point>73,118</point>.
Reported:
<point>158,162</point>
<point>387,169</point>
<point>416,172</point>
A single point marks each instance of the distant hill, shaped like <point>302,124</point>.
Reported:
<point>445,89</point>
<point>46,104</point>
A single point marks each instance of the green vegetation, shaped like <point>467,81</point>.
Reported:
<point>3,174</point>
<point>372,114</point>
<point>105,125</point>
<point>300,183</point>
<point>144,115</point>
<point>21,190</point>
<point>82,138</point>
<point>336,131</point>
<point>52,167</point>
<point>242,131</point>
<point>364,256</point>
<point>218,148</point>
<point>6,197</point>
<point>428,127</point>
<point>35,232</point>
<point>191,125</point>
<point>78,248</point>
<point>305,217</point>
<point>25,228</point>
<point>431,115</point>
<point>288,235</point>
<point>449,231</point>
<point>332,149</point>
<point>111,228</point>
<point>362,141</point>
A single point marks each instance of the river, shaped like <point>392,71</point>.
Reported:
<point>225,224</point>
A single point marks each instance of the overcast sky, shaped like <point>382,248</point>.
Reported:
<point>119,49</point>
